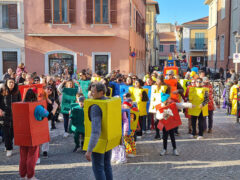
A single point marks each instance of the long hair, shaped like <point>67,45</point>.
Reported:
<point>6,91</point>
<point>30,96</point>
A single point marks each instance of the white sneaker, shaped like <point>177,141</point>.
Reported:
<point>131,155</point>
<point>65,134</point>
<point>163,152</point>
<point>121,162</point>
<point>175,152</point>
<point>24,178</point>
<point>9,153</point>
<point>139,137</point>
<point>38,161</point>
<point>148,131</point>
<point>192,136</point>
<point>199,137</point>
<point>113,160</point>
<point>143,132</point>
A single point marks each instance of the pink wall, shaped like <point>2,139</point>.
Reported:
<point>37,47</point>
<point>166,49</point>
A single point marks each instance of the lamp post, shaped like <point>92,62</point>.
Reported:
<point>237,41</point>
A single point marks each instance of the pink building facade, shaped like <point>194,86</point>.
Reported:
<point>97,34</point>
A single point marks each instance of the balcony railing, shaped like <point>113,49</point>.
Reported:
<point>200,45</point>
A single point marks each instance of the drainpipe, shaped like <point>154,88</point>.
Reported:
<point>229,35</point>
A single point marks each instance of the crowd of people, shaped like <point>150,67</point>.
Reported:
<point>154,100</point>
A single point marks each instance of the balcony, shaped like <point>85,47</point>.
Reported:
<point>198,45</point>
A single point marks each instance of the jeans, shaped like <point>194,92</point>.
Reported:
<point>101,165</point>
<point>149,120</point>
<point>66,120</point>
<point>8,137</point>
<point>200,119</point>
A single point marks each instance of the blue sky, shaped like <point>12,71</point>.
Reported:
<point>181,10</point>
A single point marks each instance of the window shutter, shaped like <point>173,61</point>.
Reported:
<point>72,11</point>
<point>89,11</point>
<point>47,11</point>
<point>113,12</point>
<point>12,14</point>
<point>137,20</point>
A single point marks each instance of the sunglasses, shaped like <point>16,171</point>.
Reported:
<point>199,81</point>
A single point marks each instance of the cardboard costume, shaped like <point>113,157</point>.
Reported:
<point>174,68</point>
<point>84,86</point>
<point>39,87</point>
<point>68,97</point>
<point>30,129</point>
<point>233,98</point>
<point>137,95</point>
<point>173,121</point>
<point>196,97</point>
<point>156,97</point>
<point>111,124</point>
<point>149,88</point>
<point>77,119</point>
<point>123,90</point>
<point>134,114</point>
<point>173,84</point>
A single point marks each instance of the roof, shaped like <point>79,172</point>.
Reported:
<point>203,21</point>
<point>154,3</point>
<point>167,36</point>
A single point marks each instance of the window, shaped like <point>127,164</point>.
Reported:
<point>9,60</point>
<point>161,48</point>
<point>101,64</point>
<point>60,61</point>
<point>8,16</point>
<point>222,41</point>
<point>223,8</point>
<point>199,40</point>
<point>234,4</point>
<point>60,11</point>
<point>215,50</point>
<point>101,11</point>
<point>171,48</point>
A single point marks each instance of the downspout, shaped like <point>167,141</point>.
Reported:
<point>229,36</point>
<point>217,40</point>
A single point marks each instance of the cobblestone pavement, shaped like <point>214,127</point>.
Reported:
<point>215,157</point>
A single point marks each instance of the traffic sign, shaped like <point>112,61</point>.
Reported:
<point>236,58</point>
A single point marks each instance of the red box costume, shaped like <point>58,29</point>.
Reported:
<point>27,130</point>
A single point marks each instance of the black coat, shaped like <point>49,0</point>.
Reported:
<point>6,106</point>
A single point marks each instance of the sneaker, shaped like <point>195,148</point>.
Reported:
<point>143,132</point>
<point>193,136</point>
<point>65,134</point>
<point>23,178</point>
<point>75,149</point>
<point>113,161</point>
<point>163,152</point>
<point>121,162</point>
<point>158,137</point>
<point>45,154</point>
<point>175,152</point>
<point>33,178</point>
<point>131,155</point>
<point>38,161</point>
<point>148,132</point>
<point>139,137</point>
<point>177,134</point>
<point>199,137</point>
<point>9,153</point>
<point>210,131</point>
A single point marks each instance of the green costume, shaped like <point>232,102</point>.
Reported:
<point>68,97</point>
<point>84,85</point>
<point>77,122</point>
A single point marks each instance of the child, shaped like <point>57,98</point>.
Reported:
<point>119,152</point>
<point>29,155</point>
<point>77,122</point>
<point>167,113</point>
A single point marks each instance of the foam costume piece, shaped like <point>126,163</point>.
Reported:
<point>68,97</point>
<point>123,90</point>
<point>233,98</point>
<point>111,124</point>
<point>94,79</point>
<point>149,96</point>
<point>172,121</point>
<point>173,84</point>
<point>116,91</point>
<point>136,95</point>
<point>28,131</point>
<point>129,119</point>
<point>194,69</point>
<point>84,85</point>
<point>134,114</point>
<point>183,83</point>
<point>77,119</point>
<point>196,97</point>
<point>174,68</point>
<point>164,97</point>
<point>24,88</point>
<point>40,113</point>
<point>156,97</point>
